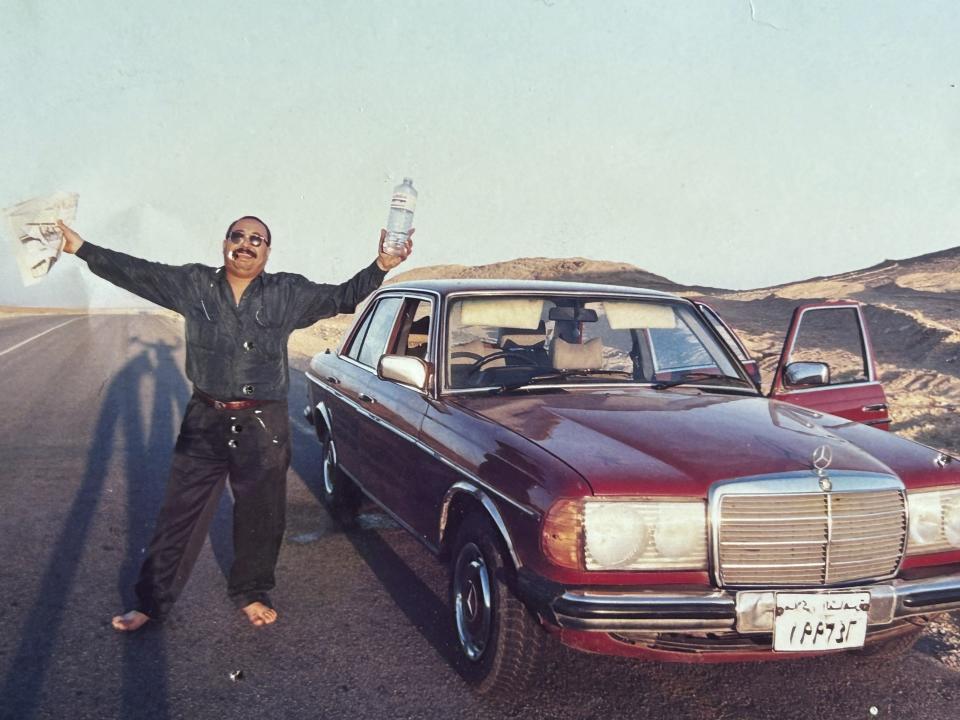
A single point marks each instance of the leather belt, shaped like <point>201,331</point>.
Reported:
<point>228,404</point>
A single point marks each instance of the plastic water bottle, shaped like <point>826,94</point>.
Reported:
<point>400,220</point>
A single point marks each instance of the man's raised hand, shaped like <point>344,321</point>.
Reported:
<point>386,261</point>
<point>71,241</point>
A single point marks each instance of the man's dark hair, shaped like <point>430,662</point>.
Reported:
<point>248,217</point>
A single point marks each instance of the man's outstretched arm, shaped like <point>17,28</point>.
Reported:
<point>323,301</point>
<point>156,282</point>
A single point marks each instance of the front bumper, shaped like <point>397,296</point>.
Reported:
<point>744,612</point>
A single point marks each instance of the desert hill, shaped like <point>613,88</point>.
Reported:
<point>576,269</point>
<point>937,272</point>
<point>912,307</point>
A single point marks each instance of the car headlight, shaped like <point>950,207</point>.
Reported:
<point>934,521</point>
<point>614,534</point>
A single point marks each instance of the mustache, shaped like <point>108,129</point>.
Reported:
<point>250,252</point>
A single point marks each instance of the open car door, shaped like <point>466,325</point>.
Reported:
<point>827,364</point>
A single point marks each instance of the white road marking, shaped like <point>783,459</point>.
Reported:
<point>21,344</point>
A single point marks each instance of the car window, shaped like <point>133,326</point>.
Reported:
<point>724,332</point>
<point>414,333</point>
<point>354,349</point>
<point>498,340</point>
<point>832,336</point>
<point>679,349</point>
<point>371,341</point>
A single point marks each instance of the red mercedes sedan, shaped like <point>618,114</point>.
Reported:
<point>597,464</point>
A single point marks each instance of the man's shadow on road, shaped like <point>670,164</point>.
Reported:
<point>144,443</point>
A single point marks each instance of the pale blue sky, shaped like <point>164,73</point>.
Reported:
<point>706,141</point>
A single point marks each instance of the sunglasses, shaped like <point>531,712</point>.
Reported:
<point>237,237</point>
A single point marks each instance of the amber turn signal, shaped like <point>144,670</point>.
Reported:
<point>561,537</point>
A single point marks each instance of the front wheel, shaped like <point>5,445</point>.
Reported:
<point>501,643</point>
<point>340,495</point>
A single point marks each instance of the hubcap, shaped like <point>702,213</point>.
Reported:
<point>472,601</point>
<point>329,466</point>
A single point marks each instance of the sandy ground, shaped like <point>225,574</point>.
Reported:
<point>12,311</point>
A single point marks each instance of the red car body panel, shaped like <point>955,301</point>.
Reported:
<point>613,438</point>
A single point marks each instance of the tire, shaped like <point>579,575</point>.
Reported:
<point>501,644</point>
<point>340,495</point>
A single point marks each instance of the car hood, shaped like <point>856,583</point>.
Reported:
<point>673,442</point>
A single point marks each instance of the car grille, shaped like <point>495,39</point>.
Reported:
<point>810,538</point>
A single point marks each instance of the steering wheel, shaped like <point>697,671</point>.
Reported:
<point>530,362</point>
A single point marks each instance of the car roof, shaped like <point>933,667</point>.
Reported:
<point>445,287</point>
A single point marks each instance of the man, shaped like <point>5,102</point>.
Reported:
<point>238,320</point>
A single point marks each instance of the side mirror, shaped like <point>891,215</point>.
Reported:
<point>405,369</point>
<point>806,374</point>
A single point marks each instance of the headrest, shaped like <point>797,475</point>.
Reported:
<point>571,356</point>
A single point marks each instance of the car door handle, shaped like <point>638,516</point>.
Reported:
<point>879,407</point>
<point>332,380</point>
<point>366,398</point>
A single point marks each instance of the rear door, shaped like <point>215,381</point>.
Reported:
<point>833,333</point>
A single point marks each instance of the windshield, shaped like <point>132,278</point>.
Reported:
<point>512,341</point>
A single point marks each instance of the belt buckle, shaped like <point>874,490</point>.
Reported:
<point>218,405</point>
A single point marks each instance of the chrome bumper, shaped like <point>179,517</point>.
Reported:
<point>746,611</point>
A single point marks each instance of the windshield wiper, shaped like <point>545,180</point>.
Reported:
<point>591,371</point>
<point>693,377</point>
<point>562,375</point>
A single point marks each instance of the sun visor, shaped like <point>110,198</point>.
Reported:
<point>639,315</point>
<point>521,313</point>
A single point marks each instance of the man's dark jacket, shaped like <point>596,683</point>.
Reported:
<point>234,352</point>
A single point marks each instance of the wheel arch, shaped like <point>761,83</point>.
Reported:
<point>462,499</point>
<point>322,422</point>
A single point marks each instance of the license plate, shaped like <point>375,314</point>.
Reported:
<point>811,622</point>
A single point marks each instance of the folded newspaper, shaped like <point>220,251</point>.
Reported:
<point>32,227</point>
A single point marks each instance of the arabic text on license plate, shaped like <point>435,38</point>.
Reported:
<point>806,622</point>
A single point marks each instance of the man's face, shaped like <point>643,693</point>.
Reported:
<point>240,257</point>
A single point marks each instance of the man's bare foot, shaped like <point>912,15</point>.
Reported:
<point>128,622</point>
<point>259,614</point>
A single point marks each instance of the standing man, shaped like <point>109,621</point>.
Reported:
<point>238,321</point>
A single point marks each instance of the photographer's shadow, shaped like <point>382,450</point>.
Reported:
<point>141,438</point>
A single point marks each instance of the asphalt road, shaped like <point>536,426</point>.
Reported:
<point>89,414</point>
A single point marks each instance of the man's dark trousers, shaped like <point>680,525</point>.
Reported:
<point>251,447</point>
